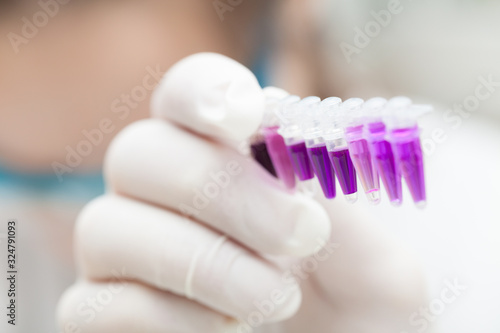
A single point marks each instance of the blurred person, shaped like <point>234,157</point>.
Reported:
<point>57,85</point>
<point>62,84</point>
<point>68,87</point>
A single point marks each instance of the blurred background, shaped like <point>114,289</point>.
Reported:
<point>64,68</point>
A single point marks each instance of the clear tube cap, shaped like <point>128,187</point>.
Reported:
<point>401,112</point>
<point>374,108</point>
<point>311,115</point>
<point>286,110</point>
<point>352,110</point>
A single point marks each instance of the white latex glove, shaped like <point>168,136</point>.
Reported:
<point>144,267</point>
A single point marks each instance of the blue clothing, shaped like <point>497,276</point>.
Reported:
<point>81,187</point>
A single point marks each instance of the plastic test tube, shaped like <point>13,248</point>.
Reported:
<point>381,151</point>
<point>276,145</point>
<point>290,130</point>
<point>403,133</point>
<point>258,149</point>
<point>333,133</point>
<point>316,148</point>
<point>358,149</point>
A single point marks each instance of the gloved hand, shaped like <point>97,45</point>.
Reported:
<point>193,236</point>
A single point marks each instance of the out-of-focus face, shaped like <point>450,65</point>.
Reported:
<point>94,63</point>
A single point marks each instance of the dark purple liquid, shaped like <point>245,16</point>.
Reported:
<point>300,161</point>
<point>344,169</point>
<point>279,155</point>
<point>323,169</point>
<point>261,155</point>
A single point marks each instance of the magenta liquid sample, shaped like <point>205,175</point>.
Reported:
<point>385,162</point>
<point>300,161</point>
<point>361,158</point>
<point>261,155</point>
<point>279,156</point>
<point>408,153</point>
<point>323,169</point>
<point>344,169</point>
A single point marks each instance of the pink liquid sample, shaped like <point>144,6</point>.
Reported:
<point>261,155</point>
<point>323,169</point>
<point>279,156</point>
<point>300,161</point>
<point>408,152</point>
<point>361,157</point>
<point>344,169</point>
<point>385,163</point>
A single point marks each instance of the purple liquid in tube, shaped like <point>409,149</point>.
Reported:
<point>361,157</point>
<point>261,155</point>
<point>344,169</point>
<point>384,160</point>
<point>279,156</point>
<point>323,169</point>
<point>408,152</point>
<point>387,168</point>
<point>300,161</point>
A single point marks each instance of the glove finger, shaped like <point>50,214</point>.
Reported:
<point>126,307</point>
<point>157,162</point>
<point>169,252</point>
<point>212,95</point>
